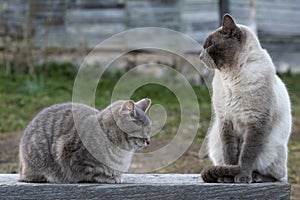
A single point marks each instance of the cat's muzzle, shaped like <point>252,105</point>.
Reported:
<point>147,141</point>
<point>207,60</point>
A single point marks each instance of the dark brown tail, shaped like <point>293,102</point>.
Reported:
<point>212,173</point>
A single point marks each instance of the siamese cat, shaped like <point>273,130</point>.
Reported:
<point>248,139</point>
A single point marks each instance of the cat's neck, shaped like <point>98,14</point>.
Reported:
<point>251,42</point>
<point>115,135</point>
<point>228,73</point>
<point>115,152</point>
<point>251,67</point>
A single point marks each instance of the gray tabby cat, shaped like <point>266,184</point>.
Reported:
<point>53,147</point>
<point>248,140</point>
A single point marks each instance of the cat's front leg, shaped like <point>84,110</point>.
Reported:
<point>230,143</point>
<point>229,148</point>
<point>252,146</point>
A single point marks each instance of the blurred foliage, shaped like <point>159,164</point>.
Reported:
<point>23,95</point>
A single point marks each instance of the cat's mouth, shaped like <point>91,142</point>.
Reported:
<point>207,60</point>
<point>141,142</point>
<point>139,146</point>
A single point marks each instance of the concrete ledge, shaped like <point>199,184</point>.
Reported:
<point>143,186</point>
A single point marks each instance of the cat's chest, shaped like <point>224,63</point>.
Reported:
<point>234,97</point>
<point>236,105</point>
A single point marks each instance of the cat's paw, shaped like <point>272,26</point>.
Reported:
<point>225,179</point>
<point>243,178</point>
<point>118,179</point>
<point>114,179</point>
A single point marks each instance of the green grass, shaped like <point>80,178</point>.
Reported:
<point>23,96</point>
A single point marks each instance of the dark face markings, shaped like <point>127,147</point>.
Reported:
<point>223,44</point>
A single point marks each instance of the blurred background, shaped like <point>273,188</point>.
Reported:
<point>42,44</point>
<point>42,29</point>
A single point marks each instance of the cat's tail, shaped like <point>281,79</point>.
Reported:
<point>212,173</point>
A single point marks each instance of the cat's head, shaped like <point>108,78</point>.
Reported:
<point>222,47</point>
<point>134,123</point>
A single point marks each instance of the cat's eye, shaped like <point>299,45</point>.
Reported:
<point>208,44</point>
<point>137,138</point>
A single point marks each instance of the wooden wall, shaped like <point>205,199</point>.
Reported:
<point>69,23</point>
<point>273,17</point>
<point>278,28</point>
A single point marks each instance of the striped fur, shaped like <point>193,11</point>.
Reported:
<point>56,149</point>
<point>226,174</point>
<point>212,173</point>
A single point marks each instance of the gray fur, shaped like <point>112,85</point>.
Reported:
<point>55,149</point>
<point>252,109</point>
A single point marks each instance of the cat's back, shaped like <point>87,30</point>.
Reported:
<point>55,120</point>
<point>49,126</point>
<point>48,140</point>
<point>64,108</point>
<point>282,117</point>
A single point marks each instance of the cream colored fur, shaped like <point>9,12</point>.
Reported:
<point>240,92</point>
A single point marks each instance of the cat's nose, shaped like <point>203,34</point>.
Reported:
<point>148,141</point>
<point>201,56</point>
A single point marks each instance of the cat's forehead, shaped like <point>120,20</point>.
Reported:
<point>221,27</point>
<point>218,35</point>
<point>216,31</point>
<point>213,34</point>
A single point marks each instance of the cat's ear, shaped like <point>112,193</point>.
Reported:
<point>144,104</point>
<point>128,108</point>
<point>228,24</point>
